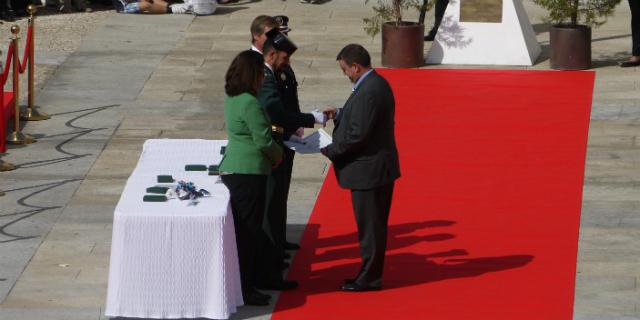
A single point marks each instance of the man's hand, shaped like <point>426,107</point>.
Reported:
<point>299,132</point>
<point>330,112</point>
<point>320,117</point>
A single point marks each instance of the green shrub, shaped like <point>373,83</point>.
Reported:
<point>592,13</point>
<point>389,10</point>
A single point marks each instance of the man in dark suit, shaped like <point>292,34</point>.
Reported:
<point>365,160</point>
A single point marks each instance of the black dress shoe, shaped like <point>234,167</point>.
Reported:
<point>262,295</point>
<point>291,246</point>
<point>281,285</point>
<point>349,280</point>
<point>628,64</point>
<point>256,298</point>
<point>354,287</point>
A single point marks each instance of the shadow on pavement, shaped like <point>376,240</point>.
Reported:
<point>402,269</point>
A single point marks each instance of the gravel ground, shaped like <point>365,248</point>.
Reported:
<point>57,35</point>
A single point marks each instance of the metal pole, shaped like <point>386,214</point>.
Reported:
<point>17,137</point>
<point>31,114</point>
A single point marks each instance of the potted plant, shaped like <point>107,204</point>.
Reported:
<point>402,41</point>
<point>570,34</point>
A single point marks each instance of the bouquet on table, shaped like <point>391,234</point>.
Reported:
<point>183,191</point>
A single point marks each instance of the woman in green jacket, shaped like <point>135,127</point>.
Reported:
<point>249,157</point>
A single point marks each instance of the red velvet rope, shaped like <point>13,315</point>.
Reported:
<point>25,56</point>
<point>22,65</point>
<point>5,73</point>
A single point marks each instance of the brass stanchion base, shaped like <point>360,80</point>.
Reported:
<point>6,166</point>
<point>31,114</point>
<point>1,193</point>
<point>20,138</point>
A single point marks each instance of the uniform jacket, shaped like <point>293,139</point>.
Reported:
<point>288,88</point>
<point>364,150</point>
<point>271,99</point>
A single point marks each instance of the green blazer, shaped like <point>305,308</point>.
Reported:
<point>251,150</point>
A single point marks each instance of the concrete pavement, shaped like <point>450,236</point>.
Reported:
<point>139,77</point>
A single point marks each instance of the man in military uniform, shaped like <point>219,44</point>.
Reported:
<point>287,94</point>
<point>277,49</point>
<point>288,88</point>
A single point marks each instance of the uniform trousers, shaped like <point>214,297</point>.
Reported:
<point>371,208</point>
<point>275,220</point>
<point>248,193</point>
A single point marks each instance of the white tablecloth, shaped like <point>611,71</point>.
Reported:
<point>174,259</point>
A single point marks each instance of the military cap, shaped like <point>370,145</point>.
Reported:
<point>281,42</point>
<point>283,23</point>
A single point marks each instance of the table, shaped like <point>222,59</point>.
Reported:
<point>174,259</point>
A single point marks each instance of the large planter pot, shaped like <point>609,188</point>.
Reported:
<point>570,47</point>
<point>403,45</point>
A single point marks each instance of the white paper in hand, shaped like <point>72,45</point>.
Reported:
<point>311,143</point>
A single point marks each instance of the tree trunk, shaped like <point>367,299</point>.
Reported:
<point>574,13</point>
<point>398,11</point>
<point>423,11</point>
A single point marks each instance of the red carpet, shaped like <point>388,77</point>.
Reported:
<point>485,218</point>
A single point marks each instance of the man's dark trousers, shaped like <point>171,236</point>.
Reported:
<point>635,26</point>
<point>371,208</point>
<point>278,184</point>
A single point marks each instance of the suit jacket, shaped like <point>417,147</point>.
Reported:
<point>363,151</point>
<point>271,100</point>
<point>250,150</point>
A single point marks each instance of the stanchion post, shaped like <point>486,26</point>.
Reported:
<point>17,137</point>
<point>32,114</point>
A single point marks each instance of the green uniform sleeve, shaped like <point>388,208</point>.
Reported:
<point>257,122</point>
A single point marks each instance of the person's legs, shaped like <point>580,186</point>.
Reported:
<point>634,60</point>
<point>147,6</point>
<point>275,221</point>
<point>440,9</point>
<point>371,209</point>
<point>290,156</point>
<point>135,7</point>
<point>635,27</point>
<point>158,7</point>
<point>80,5</point>
<point>6,11</point>
<point>65,6</point>
<point>247,203</point>
<point>276,215</point>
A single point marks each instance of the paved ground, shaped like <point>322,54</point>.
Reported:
<point>141,77</point>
